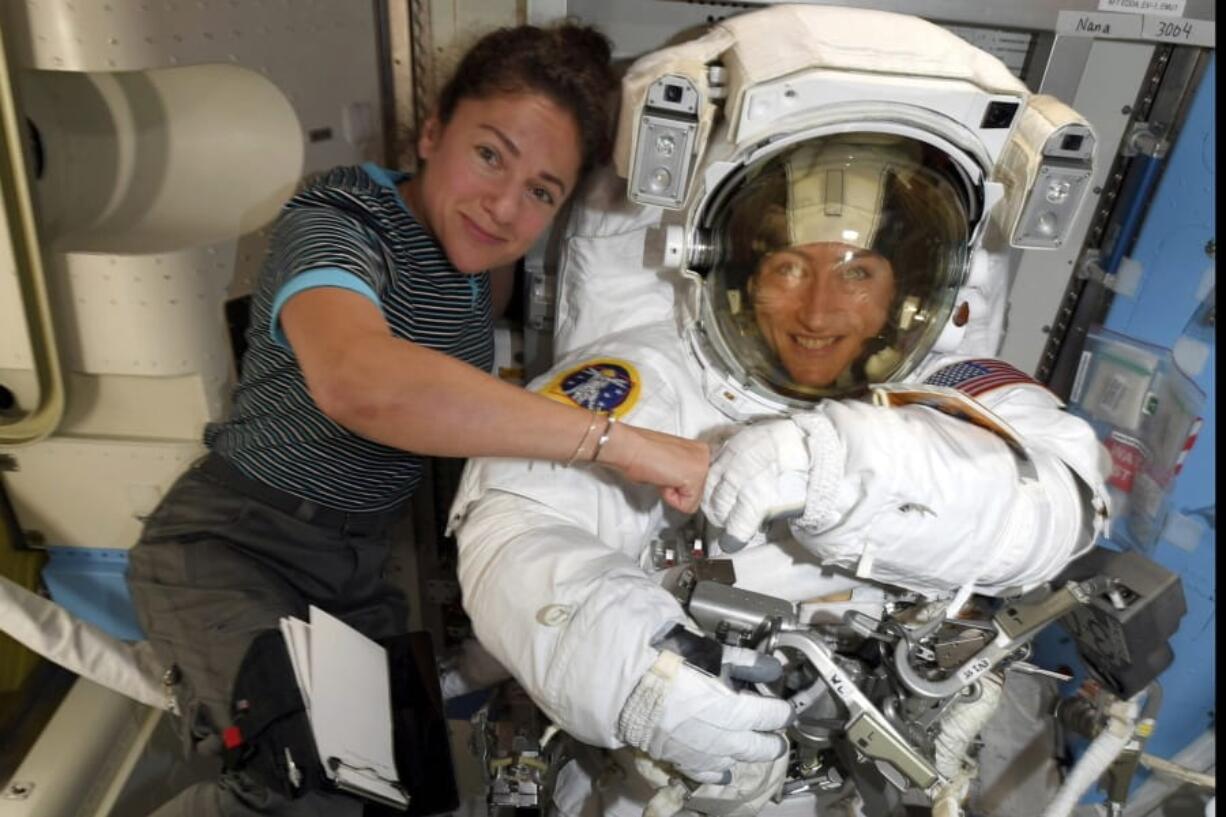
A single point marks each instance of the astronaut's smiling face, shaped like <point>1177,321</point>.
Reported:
<point>495,175</point>
<point>817,304</point>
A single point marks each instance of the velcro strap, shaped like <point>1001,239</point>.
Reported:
<point>643,709</point>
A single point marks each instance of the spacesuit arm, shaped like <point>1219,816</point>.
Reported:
<point>598,645</point>
<point>1046,428</point>
<point>570,616</point>
<point>1040,419</point>
<point>916,498</point>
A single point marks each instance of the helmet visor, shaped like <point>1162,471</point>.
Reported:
<point>837,263</point>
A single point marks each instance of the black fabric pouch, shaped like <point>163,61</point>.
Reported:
<point>271,738</point>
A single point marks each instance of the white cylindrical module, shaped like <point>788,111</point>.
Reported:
<point>161,160</point>
<point>163,138</point>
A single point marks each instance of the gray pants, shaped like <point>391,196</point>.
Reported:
<point>213,569</point>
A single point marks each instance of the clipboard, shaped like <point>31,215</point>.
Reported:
<point>343,678</point>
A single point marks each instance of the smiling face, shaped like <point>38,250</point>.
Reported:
<point>817,304</point>
<point>494,177</point>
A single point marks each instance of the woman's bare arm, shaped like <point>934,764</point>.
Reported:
<point>413,398</point>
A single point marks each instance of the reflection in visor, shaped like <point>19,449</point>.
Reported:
<point>838,263</point>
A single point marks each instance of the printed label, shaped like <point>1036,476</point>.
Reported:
<point>1168,8</point>
<point>1127,459</point>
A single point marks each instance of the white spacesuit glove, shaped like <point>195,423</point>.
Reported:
<point>765,471</point>
<point>689,718</point>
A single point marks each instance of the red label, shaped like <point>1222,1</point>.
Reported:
<point>232,737</point>
<point>1127,458</point>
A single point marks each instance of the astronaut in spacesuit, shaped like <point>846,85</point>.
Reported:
<point>844,256</point>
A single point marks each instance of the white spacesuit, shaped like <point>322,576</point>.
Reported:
<point>838,196</point>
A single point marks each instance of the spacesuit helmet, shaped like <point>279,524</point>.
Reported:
<point>837,261</point>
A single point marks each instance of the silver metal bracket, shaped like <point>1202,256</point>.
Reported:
<point>1091,269</point>
<point>870,732</point>
<point>1015,625</point>
<point>1143,140</point>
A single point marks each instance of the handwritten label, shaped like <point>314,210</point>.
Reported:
<point>1152,27</point>
<point>1091,24</point>
<point>1181,32</point>
<point>1169,8</point>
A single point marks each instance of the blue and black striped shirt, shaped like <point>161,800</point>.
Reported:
<point>350,229</point>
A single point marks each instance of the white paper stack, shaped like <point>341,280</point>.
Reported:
<point>342,675</point>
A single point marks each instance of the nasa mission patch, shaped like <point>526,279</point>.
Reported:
<point>606,384</point>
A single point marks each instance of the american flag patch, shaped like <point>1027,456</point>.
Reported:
<point>974,377</point>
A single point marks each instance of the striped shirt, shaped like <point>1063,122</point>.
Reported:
<point>348,229</point>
